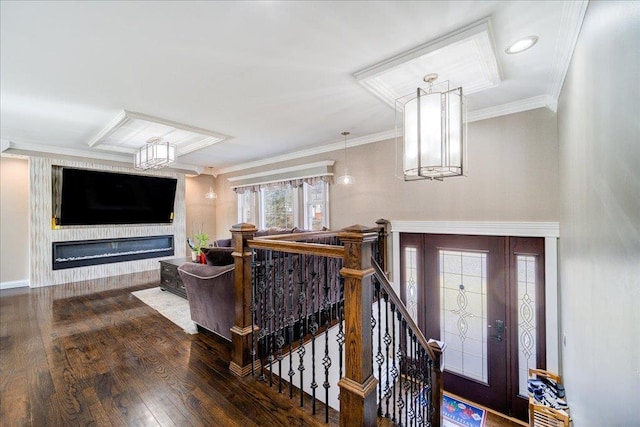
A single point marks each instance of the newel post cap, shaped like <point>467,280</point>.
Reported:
<point>243,226</point>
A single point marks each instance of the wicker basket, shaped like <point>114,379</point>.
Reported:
<point>542,415</point>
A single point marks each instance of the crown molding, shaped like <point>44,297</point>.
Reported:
<point>571,22</point>
<point>483,228</point>
<point>473,116</point>
<point>510,108</point>
<point>334,146</point>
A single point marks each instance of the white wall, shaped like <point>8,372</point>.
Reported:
<point>513,176</point>
<point>14,226</point>
<point>599,134</point>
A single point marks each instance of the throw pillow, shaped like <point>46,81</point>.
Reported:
<point>218,256</point>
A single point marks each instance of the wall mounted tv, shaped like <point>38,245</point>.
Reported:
<point>91,197</point>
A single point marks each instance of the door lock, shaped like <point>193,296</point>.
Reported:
<point>499,330</point>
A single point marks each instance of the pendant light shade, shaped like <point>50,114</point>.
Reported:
<point>155,154</point>
<point>346,179</point>
<point>433,132</point>
<point>210,194</point>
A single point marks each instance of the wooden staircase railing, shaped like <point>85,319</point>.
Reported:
<point>294,292</point>
<point>421,360</point>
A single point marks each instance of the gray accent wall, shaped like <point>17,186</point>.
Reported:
<point>599,134</point>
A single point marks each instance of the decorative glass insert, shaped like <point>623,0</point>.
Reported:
<point>410,284</point>
<point>526,319</point>
<point>463,312</point>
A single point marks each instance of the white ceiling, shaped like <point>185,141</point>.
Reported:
<point>277,78</point>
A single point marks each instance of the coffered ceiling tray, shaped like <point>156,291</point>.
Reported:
<point>465,57</point>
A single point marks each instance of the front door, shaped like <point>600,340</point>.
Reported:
<point>482,296</point>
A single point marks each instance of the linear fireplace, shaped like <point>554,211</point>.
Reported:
<point>83,253</point>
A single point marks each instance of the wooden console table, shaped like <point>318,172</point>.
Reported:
<point>170,278</point>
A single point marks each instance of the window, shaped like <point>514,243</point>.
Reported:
<point>277,207</point>
<point>285,206</point>
<point>247,207</point>
<point>316,203</point>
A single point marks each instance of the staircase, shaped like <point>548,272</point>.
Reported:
<point>315,312</point>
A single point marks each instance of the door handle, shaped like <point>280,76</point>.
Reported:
<point>499,330</point>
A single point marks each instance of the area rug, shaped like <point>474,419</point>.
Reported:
<point>458,413</point>
<point>170,306</point>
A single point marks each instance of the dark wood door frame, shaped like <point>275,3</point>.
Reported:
<point>504,278</point>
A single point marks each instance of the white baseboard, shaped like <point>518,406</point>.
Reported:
<point>14,284</point>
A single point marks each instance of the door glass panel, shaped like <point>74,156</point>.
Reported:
<point>463,312</point>
<point>410,285</point>
<point>526,319</point>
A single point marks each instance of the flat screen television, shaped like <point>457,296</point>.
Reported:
<point>90,197</point>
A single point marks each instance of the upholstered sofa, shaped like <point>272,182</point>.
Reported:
<point>210,287</point>
<point>227,243</point>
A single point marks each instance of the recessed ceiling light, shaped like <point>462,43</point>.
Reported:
<point>522,44</point>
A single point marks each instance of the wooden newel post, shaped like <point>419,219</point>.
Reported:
<point>241,344</point>
<point>358,386</point>
<point>437,383</point>
<point>383,234</point>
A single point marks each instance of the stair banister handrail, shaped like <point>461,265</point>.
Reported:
<point>358,385</point>
<point>331,251</point>
<point>433,348</point>
<point>411,324</point>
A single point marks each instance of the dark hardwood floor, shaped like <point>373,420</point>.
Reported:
<point>90,353</point>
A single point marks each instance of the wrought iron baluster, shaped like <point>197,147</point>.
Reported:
<point>279,283</point>
<point>423,387</point>
<point>301,312</point>
<point>387,342</point>
<point>379,355</point>
<point>394,368</point>
<point>262,292</point>
<point>411,378</point>
<point>402,363</point>
<point>326,360</point>
<point>291,323</point>
<point>406,357</point>
<point>270,314</point>
<point>313,329</point>
<point>340,337</point>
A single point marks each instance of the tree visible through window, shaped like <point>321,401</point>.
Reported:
<point>316,202</point>
<point>277,207</point>
<point>284,206</point>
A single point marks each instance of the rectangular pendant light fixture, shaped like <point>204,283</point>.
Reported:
<point>433,131</point>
